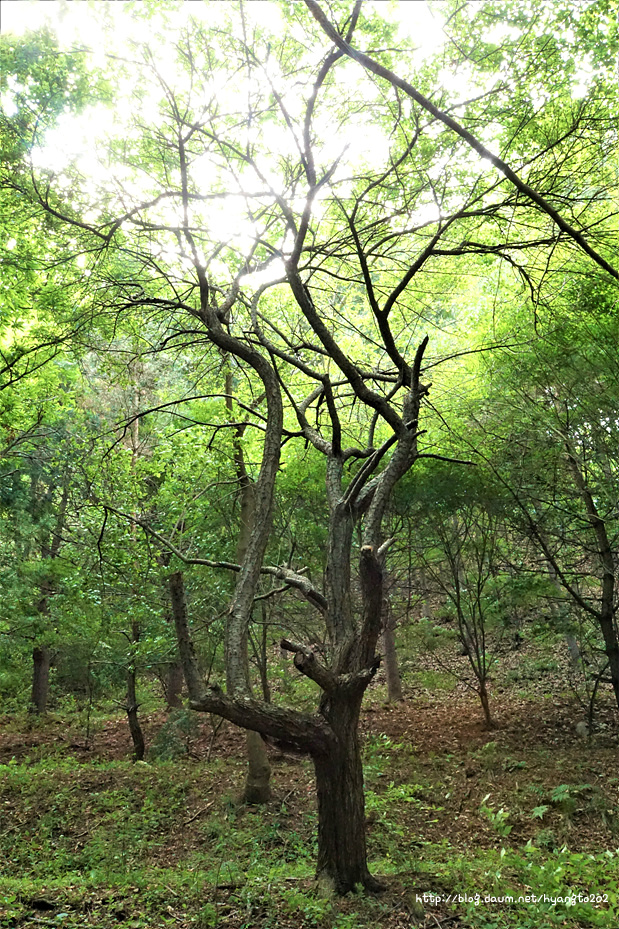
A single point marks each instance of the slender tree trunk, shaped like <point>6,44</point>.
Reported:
<point>426,612</point>
<point>606,614</point>
<point>185,645</point>
<point>263,663</point>
<point>342,854</point>
<point>137,736</point>
<point>135,728</point>
<point>573,650</point>
<point>258,782</point>
<point>485,703</point>
<point>42,655</point>
<point>611,647</point>
<point>392,670</point>
<point>570,639</point>
<point>174,680</point>
<point>41,663</point>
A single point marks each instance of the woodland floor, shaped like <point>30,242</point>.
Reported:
<point>454,811</point>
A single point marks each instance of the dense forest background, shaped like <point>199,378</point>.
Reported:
<point>309,484</point>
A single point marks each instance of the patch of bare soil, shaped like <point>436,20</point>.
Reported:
<point>438,742</point>
<point>459,764</point>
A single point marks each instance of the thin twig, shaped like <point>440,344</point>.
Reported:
<point>199,813</point>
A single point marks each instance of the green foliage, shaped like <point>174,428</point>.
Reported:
<point>173,739</point>
<point>126,842</point>
<point>498,819</point>
<point>36,77</point>
<point>113,418</point>
<point>379,753</point>
<point>532,669</point>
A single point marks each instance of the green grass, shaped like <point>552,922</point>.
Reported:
<point>116,844</point>
<point>434,681</point>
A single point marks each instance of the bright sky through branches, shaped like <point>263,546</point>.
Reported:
<point>109,31</point>
<point>75,21</point>
<point>139,48</point>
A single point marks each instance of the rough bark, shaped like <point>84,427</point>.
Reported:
<point>174,685</point>
<point>288,728</point>
<point>342,856</point>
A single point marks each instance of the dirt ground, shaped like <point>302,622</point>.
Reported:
<point>434,738</point>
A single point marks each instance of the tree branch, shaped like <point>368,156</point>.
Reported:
<point>371,65</point>
<point>292,578</point>
<point>303,732</point>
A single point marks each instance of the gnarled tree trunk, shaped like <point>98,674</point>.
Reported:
<point>342,853</point>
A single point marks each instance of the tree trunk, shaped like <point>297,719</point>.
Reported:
<point>178,601</point>
<point>257,784</point>
<point>263,656</point>
<point>392,670</point>
<point>485,703</point>
<point>135,729</point>
<point>611,648</point>
<point>174,685</point>
<point>605,553</point>
<point>342,854</point>
<point>574,651</point>
<point>570,639</point>
<point>42,655</point>
<point>41,662</point>
<point>174,680</point>
<point>258,781</point>
<point>426,611</point>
